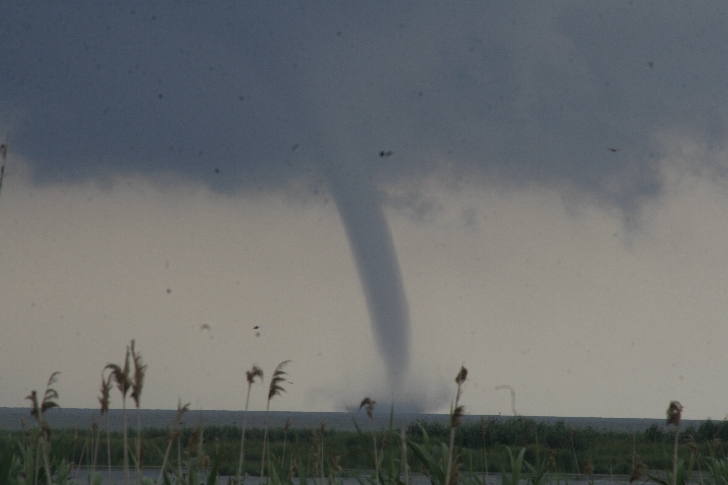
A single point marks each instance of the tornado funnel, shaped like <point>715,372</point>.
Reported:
<point>372,249</point>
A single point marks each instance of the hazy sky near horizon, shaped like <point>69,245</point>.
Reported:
<point>536,191</point>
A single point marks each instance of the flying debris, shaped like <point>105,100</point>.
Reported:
<point>206,326</point>
<point>386,154</point>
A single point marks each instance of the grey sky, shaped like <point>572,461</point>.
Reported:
<point>586,106</point>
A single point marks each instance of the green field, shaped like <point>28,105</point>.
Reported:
<point>479,447</point>
<point>608,452</point>
<point>517,449</point>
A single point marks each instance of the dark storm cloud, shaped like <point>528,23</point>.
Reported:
<point>513,91</point>
<point>248,96</point>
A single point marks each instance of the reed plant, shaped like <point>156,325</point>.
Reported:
<point>136,393</point>
<point>37,411</point>
<point>456,415</point>
<point>369,404</point>
<point>250,375</point>
<point>520,449</point>
<point>274,389</point>
<point>173,436</point>
<point>674,414</point>
<point>121,375</point>
<point>433,456</point>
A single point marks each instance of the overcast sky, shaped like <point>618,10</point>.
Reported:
<point>387,190</point>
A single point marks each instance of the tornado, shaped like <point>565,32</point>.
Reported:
<point>373,251</point>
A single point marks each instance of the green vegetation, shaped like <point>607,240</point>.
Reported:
<point>516,449</point>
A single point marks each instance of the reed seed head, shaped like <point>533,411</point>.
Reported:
<point>50,396</point>
<point>462,375</point>
<point>181,410</point>
<point>33,398</point>
<point>275,388</point>
<point>674,413</point>
<point>121,375</point>
<point>105,397</point>
<point>49,399</point>
<point>254,372</point>
<point>139,371</point>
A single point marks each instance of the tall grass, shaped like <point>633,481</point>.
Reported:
<point>38,411</point>
<point>518,448</point>
<point>121,376</point>
<point>274,389</point>
<point>674,413</point>
<point>250,375</point>
<point>136,394</point>
<point>173,436</point>
<point>104,401</point>
<point>369,404</point>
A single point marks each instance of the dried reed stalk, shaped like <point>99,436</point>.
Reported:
<point>136,394</point>
<point>250,375</point>
<point>275,389</point>
<point>50,397</point>
<point>674,414</point>
<point>123,382</point>
<point>455,420</point>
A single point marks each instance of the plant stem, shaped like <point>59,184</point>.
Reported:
<point>265,442</point>
<point>674,454</point>
<point>108,447</point>
<point>126,443</point>
<point>242,438</point>
<point>139,448</point>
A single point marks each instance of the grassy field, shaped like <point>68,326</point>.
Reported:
<point>519,450</point>
<point>567,449</point>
